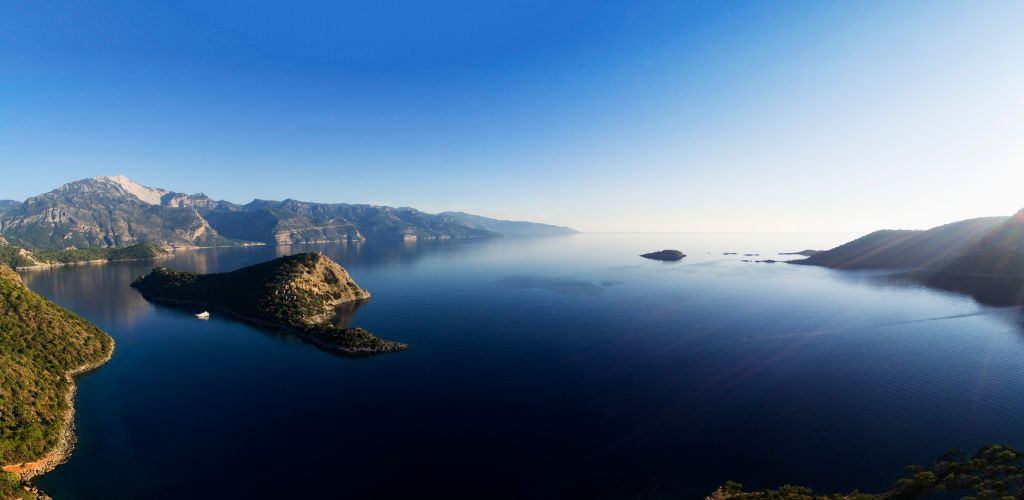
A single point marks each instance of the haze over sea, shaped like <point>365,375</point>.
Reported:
<point>542,368</point>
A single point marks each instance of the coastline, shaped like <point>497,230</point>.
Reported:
<point>303,336</point>
<point>170,253</point>
<point>50,265</point>
<point>66,444</point>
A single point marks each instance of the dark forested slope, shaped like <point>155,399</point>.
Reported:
<point>40,344</point>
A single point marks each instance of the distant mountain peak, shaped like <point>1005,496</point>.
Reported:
<point>115,211</point>
<point>148,195</point>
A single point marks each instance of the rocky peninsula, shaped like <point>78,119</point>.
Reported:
<point>983,258</point>
<point>301,293</point>
<point>24,259</point>
<point>42,348</point>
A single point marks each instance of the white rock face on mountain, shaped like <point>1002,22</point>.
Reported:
<point>146,194</point>
<point>104,212</point>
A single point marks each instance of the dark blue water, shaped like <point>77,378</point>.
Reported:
<point>543,368</point>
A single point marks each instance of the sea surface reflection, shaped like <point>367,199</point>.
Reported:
<point>543,368</point>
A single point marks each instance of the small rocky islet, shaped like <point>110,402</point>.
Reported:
<point>665,255</point>
<point>301,293</point>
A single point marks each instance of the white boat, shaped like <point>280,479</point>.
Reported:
<point>203,315</point>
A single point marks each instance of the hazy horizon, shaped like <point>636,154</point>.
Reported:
<point>654,116</point>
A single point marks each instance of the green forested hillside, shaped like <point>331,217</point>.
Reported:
<point>993,472</point>
<point>15,257</point>
<point>10,488</point>
<point>39,343</point>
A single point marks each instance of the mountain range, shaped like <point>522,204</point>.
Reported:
<point>115,211</point>
<point>981,257</point>
<point>6,205</point>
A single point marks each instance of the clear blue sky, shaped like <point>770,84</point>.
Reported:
<point>606,116</point>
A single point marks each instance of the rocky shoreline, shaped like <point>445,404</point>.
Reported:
<point>66,443</point>
<point>389,346</point>
<point>49,265</point>
<point>301,294</point>
<point>170,252</point>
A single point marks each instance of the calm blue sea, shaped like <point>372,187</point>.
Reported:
<point>543,368</point>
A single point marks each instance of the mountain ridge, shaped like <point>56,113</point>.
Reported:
<point>115,211</point>
<point>982,257</point>
<point>905,248</point>
<point>514,228</point>
<point>8,204</point>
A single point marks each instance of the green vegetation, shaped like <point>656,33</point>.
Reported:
<point>40,343</point>
<point>134,252</point>
<point>993,472</point>
<point>12,257</point>
<point>17,257</point>
<point>11,488</point>
<point>734,490</point>
<point>299,292</point>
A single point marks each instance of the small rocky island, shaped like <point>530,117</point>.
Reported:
<point>666,255</point>
<point>301,293</point>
